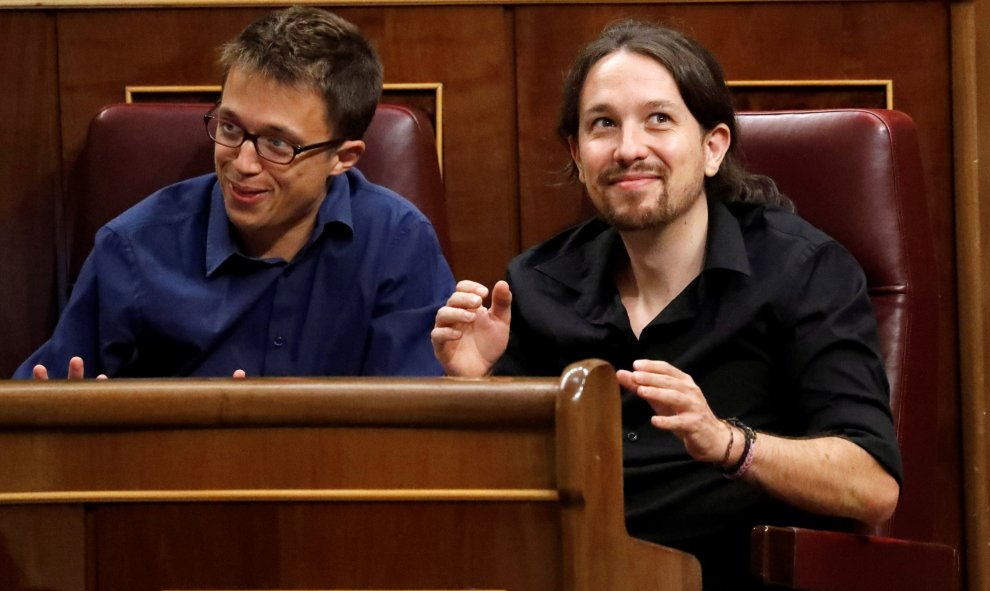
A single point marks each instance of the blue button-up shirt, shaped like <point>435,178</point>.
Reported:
<point>167,292</point>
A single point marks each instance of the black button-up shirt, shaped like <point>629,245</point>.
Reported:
<point>777,330</point>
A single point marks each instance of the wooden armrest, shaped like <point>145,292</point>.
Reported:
<point>824,560</point>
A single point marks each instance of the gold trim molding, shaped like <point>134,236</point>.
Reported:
<point>436,88</point>
<point>272,495</point>
<point>886,85</point>
<point>131,91</point>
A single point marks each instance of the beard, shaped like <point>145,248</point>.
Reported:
<point>656,208</point>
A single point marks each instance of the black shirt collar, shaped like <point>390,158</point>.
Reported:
<point>588,265</point>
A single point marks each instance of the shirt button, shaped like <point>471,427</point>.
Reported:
<point>632,436</point>
<point>279,341</point>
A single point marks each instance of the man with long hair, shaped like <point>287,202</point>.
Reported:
<point>753,391</point>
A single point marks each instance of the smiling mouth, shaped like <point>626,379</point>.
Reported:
<point>633,182</point>
<point>244,194</point>
<point>632,177</point>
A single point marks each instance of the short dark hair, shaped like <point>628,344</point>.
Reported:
<point>699,79</point>
<point>312,47</point>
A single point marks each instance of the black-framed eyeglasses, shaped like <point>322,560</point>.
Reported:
<point>270,147</point>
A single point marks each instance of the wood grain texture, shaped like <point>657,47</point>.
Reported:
<point>42,548</point>
<point>371,527</point>
<point>30,173</point>
<point>971,109</point>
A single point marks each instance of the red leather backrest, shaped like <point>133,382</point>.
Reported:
<point>135,149</point>
<point>857,175</point>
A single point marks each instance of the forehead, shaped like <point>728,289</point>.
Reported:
<point>259,101</point>
<point>622,76</point>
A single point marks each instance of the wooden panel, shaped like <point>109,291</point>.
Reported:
<point>971,98</point>
<point>325,546</point>
<point>905,43</point>
<point>355,530</point>
<point>29,171</point>
<point>42,548</point>
<point>206,459</point>
<point>468,49</point>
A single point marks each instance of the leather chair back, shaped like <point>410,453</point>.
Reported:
<point>135,149</point>
<point>856,174</point>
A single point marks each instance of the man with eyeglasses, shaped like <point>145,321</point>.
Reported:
<point>286,261</point>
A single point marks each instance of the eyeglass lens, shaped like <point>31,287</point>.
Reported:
<point>230,134</point>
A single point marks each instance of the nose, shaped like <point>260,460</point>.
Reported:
<point>632,145</point>
<point>247,160</point>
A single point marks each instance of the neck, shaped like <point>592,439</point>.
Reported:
<point>661,263</point>
<point>271,243</point>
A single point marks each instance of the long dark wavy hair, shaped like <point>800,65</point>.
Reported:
<point>701,82</point>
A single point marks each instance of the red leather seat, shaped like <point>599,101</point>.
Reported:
<point>857,175</point>
<point>134,149</point>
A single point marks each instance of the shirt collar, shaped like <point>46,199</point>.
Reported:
<point>587,268</point>
<point>725,247</point>
<point>220,242</point>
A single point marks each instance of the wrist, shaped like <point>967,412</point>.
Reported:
<point>738,464</point>
<point>733,447</point>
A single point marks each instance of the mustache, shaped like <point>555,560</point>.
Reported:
<point>614,173</point>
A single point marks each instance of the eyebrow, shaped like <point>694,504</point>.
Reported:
<point>265,129</point>
<point>655,104</point>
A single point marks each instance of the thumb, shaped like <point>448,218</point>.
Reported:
<point>501,307</point>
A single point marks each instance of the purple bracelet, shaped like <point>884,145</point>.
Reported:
<point>746,459</point>
<point>747,462</point>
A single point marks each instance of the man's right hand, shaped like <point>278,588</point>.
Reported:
<point>468,338</point>
<point>76,370</point>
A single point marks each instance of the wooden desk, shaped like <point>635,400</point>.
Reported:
<point>321,484</point>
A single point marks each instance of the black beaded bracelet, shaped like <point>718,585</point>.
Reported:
<point>736,471</point>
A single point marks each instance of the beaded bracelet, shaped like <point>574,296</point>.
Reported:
<point>746,459</point>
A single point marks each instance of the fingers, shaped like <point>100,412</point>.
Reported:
<point>462,306</point>
<point>679,406</point>
<point>40,372</point>
<point>669,391</point>
<point>76,368</point>
<point>658,367</point>
<point>468,286</point>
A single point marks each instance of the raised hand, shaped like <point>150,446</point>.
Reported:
<point>468,338</point>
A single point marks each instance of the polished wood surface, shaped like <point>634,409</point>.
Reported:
<point>30,173</point>
<point>333,484</point>
<point>43,548</point>
<point>971,95</point>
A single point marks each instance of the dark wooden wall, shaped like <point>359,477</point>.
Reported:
<point>501,67</point>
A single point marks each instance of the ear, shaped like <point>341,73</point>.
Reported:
<point>716,144</point>
<point>347,156</point>
<point>575,149</point>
